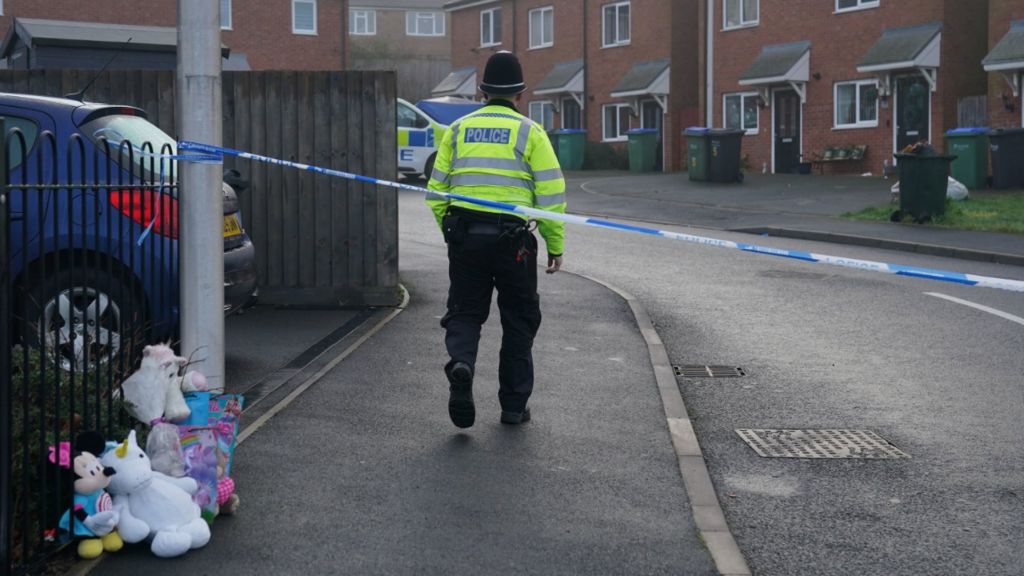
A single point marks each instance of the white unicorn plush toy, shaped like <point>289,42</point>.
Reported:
<point>154,505</point>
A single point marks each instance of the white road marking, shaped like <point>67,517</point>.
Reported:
<point>981,307</point>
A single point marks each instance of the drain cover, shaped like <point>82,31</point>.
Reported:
<point>819,444</point>
<point>701,371</point>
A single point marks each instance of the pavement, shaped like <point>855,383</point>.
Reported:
<point>349,464</point>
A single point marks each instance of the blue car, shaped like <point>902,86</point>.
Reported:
<point>93,235</point>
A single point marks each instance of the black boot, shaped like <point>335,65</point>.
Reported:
<point>460,401</point>
<point>515,417</point>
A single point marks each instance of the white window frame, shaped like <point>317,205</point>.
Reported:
<point>413,17</point>
<point>550,11</point>
<point>223,26</point>
<point>743,96</point>
<point>619,129</point>
<point>542,105</point>
<point>858,123</point>
<point>616,6</point>
<point>295,4</point>
<point>744,22</point>
<point>367,16</point>
<point>861,5</point>
<point>494,31</point>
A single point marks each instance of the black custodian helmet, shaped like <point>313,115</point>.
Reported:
<point>503,75</point>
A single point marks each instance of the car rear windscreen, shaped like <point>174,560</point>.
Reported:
<point>145,141</point>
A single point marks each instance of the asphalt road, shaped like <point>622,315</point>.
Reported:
<point>828,348</point>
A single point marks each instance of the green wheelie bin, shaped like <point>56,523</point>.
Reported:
<point>697,153</point>
<point>569,145</point>
<point>970,146</point>
<point>643,145</point>
<point>923,182</point>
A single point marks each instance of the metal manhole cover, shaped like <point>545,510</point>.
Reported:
<point>701,371</point>
<point>820,444</point>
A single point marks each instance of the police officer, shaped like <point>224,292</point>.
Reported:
<point>495,154</point>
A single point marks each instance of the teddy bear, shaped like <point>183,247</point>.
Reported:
<point>153,392</point>
<point>95,518</point>
<point>154,505</point>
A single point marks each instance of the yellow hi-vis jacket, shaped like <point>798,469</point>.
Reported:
<point>498,154</point>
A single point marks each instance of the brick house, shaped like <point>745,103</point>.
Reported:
<point>880,73</point>
<point>1005,63</point>
<point>603,66</point>
<point>265,34</point>
<point>408,36</point>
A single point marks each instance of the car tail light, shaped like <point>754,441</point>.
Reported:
<point>147,207</point>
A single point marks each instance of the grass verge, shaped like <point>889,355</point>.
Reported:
<point>984,211</point>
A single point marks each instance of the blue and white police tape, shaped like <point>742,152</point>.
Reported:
<point>207,150</point>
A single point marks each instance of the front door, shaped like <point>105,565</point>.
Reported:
<point>913,103</point>
<point>787,131</point>
<point>650,117</point>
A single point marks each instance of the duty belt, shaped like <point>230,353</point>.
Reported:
<point>493,228</point>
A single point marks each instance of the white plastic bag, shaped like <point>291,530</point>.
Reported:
<point>955,190</point>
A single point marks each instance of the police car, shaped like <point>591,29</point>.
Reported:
<point>420,128</point>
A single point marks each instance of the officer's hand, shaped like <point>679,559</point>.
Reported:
<point>554,264</point>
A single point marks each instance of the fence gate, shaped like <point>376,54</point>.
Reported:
<point>90,261</point>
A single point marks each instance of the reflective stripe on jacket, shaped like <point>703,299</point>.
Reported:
<point>500,155</point>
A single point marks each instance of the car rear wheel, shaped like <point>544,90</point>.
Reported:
<point>81,322</point>
<point>428,167</point>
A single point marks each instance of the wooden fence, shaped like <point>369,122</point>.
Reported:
<point>320,241</point>
<point>417,76</point>
<point>972,111</point>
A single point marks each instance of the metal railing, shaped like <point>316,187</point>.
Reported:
<point>89,252</point>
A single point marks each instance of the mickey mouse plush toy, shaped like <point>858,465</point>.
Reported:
<point>96,519</point>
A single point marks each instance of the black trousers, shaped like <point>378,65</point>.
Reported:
<point>485,252</point>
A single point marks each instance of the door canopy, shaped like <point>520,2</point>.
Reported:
<point>780,64</point>
<point>904,49</point>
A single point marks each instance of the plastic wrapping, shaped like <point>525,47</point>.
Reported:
<point>163,446</point>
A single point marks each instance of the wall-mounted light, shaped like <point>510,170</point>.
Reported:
<point>816,75</point>
<point>1009,102</point>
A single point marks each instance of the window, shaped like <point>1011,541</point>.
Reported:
<point>225,14</point>
<point>740,13</point>
<point>741,112</point>
<point>856,104</point>
<point>849,5</point>
<point>543,113</point>
<point>303,16</point>
<point>424,23</point>
<point>29,129</point>
<point>570,114</point>
<point>616,121</point>
<point>408,118</point>
<point>490,27</point>
<point>362,22</point>
<point>542,27</point>
<point>616,24</point>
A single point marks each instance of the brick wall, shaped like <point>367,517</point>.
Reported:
<point>659,29</point>
<point>465,34</point>
<point>838,42</point>
<point>650,39</point>
<point>538,62</point>
<point>262,29</point>
<point>1001,13</point>
<point>392,41</point>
